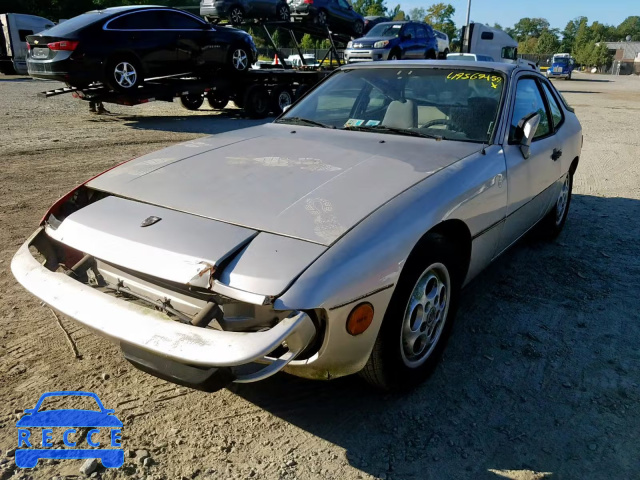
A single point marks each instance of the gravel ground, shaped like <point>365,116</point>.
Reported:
<point>540,377</point>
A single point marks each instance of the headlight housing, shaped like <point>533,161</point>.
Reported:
<point>349,44</point>
<point>381,44</point>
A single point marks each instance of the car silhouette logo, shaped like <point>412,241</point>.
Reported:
<point>69,419</point>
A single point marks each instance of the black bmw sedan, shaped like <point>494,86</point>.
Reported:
<point>123,46</point>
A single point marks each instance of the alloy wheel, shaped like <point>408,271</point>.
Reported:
<point>284,100</point>
<point>563,200</point>
<point>236,16</point>
<point>283,13</point>
<point>240,60</point>
<point>425,315</point>
<point>322,18</point>
<point>125,75</point>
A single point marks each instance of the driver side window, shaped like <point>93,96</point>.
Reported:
<point>529,100</point>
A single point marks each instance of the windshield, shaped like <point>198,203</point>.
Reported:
<point>387,30</point>
<point>561,61</point>
<point>448,103</point>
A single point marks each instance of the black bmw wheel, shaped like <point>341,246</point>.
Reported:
<point>236,15</point>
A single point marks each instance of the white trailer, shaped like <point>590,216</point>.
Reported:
<point>484,40</point>
<point>14,28</point>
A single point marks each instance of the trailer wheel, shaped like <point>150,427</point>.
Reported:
<point>217,103</point>
<point>281,97</point>
<point>256,101</point>
<point>192,101</point>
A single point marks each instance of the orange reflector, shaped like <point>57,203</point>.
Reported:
<point>360,319</point>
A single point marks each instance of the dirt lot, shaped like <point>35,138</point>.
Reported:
<point>541,377</point>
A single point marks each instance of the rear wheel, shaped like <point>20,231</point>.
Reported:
<point>321,18</point>
<point>124,74</point>
<point>239,59</point>
<point>430,55</point>
<point>551,225</point>
<point>283,13</point>
<point>418,319</point>
<point>281,97</point>
<point>236,15</point>
<point>192,101</point>
<point>256,101</point>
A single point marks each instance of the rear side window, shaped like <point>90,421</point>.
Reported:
<point>529,100</point>
<point>421,32</point>
<point>410,30</point>
<point>179,21</point>
<point>556,111</point>
<point>76,23</point>
<point>23,34</point>
<point>137,21</point>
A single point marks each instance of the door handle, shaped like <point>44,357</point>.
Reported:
<point>557,153</point>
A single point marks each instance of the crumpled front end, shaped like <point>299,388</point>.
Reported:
<point>165,287</point>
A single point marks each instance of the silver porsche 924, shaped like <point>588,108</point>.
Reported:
<point>335,240</point>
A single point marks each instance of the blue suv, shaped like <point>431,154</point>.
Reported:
<point>394,41</point>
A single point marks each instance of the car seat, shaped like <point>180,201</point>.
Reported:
<point>401,114</point>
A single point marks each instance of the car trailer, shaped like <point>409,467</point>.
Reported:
<point>258,91</point>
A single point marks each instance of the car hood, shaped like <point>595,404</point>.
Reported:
<point>69,418</point>
<point>307,183</point>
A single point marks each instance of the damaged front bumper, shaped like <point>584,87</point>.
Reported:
<point>164,347</point>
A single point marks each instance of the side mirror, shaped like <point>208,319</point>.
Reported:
<point>526,131</point>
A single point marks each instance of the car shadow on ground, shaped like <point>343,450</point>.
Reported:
<point>21,79</point>
<point>581,79</point>
<point>219,122</point>
<point>578,91</point>
<point>543,361</point>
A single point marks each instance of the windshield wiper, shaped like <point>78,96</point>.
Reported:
<point>304,121</point>
<point>399,131</point>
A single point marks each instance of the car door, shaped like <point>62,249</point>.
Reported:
<point>142,32</point>
<point>409,42</point>
<point>343,15</point>
<point>530,181</point>
<point>422,41</point>
<point>191,39</point>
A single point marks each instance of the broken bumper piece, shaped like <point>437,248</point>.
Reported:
<point>148,337</point>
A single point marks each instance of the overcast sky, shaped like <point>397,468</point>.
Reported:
<point>558,12</point>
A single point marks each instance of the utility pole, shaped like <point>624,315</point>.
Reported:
<point>465,41</point>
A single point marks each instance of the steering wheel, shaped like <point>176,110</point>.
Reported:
<point>442,121</point>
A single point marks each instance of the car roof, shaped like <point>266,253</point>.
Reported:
<point>125,8</point>
<point>505,68</point>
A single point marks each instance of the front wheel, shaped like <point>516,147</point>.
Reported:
<point>551,225</point>
<point>395,55</point>
<point>236,15</point>
<point>321,18</point>
<point>418,319</point>
<point>358,28</point>
<point>283,13</point>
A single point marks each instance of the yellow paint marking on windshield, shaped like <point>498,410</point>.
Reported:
<point>493,79</point>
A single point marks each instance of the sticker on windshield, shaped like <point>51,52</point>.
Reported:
<point>493,79</point>
<point>353,122</point>
<point>372,123</point>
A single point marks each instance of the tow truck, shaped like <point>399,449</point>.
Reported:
<point>259,91</point>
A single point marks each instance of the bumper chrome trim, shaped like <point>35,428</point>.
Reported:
<point>149,330</point>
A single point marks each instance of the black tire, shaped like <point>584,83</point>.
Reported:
<point>256,101</point>
<point>388,366</point>
<point>283,13</point>
<point>192,101</point>
<point>217,103</point>
<point>444,54</point>
<point>301,91</point>
<point>236,15</point>
<point>395,55</point>
<point>120,67</point>
<point>553,223</point>
<point>7,68</point>
<point>358,28</point>
<point>321,18</point>
<point>280,97</point>
<point>430,55</point>
<point>239,58</point>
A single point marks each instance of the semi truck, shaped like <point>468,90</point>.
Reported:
<point>14,28</point>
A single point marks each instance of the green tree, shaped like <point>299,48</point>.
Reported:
<point>369,7</point>
<point>529,45</point>
<point>307,42</point>
<point>630,26</point>
<point>417,14</point>
<point>399,16</point>
<point>391,13</point>
<point>528,27</point>
<point>569,35</point>
<point>548,43</point>
<point>440,17</point>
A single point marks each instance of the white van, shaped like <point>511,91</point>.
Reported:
<point>14,28</point>
<point>484,40</point>
<point>443,43</point>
